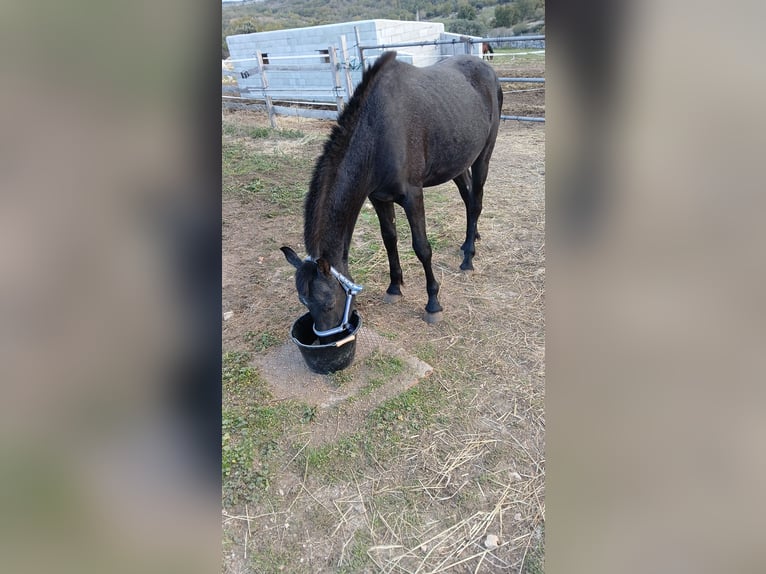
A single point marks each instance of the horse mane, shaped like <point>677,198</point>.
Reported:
<point>334,150</point>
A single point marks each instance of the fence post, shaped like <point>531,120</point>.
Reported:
<point>468,45</point>
<point>346,68</point>
<point>336,77</point>
<point>265,86</point>
<point>359,46</point>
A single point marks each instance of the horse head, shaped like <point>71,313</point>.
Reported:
<point>322,291</point>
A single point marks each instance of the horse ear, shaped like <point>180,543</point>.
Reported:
<point>323,266</point>
<point>291,256</point>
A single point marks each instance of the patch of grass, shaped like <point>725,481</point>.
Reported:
<point>238,159</point>
<point>263,163</point>
<point>534,563</point>
<point>426,352</point>
<point>372,384</point>
<point>240,380</point>
<point>287,195</point>
<point>257,132</point>
<point>237,452</point>
<point>362,258</point>
<point>389,336</point>
<point>384,367</point>
<point>334,462</point>
<point>369,218</point>
<point>261,341</point>
<point>266,559</point>
<point>406,413</point>
<point>279,179</point>
<point>356,558</point>
<point>252,429</point>
<point>309,414</point>
<point>340,378</point>
<point>519,53</point>
<point>346,458</point>
<point>250,442</point>
<point>440,238</point>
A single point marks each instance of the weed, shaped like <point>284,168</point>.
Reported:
<point>267,560</point>
<point>309,414</point>
<point>385,365</point>
<point>363,259</point>
<point>410,411</point>
<point>356,558</point>
<point>261,341</point>
<point>535,560</point>
<point>257,132</point>
<point>250,441</point>
<point>340,378</point>
<point>251,429</point>
<point>390,336</point>
<point>242,381</point>
<point>336,461</point>
<point>286,195</point>
<point>371,385</point>
<point>236,456</point>
<point>426,352</point>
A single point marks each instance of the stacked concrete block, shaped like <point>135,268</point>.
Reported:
<point>304,51</point>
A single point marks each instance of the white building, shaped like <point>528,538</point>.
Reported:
<point>297,60</point>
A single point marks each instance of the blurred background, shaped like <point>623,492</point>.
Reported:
<point>110,292</point>
<point>655,281</point>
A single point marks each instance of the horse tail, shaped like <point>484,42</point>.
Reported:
<point>499,99</point>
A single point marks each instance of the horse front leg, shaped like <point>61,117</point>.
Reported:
<point>387,219</point>
<point>416,215</point>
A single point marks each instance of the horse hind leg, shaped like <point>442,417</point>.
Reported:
<point>387,219</point>
<point>463,182</point>
<point>479,171</point>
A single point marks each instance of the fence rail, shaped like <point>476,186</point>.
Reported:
<point>339,87</point>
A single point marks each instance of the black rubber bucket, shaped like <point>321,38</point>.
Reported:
<point>330,357</point>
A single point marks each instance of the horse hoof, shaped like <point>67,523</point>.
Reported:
<point>432,318</point>
<point>467,272</point>
<point>389,298</point>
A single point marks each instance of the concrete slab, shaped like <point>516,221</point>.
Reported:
<point>342,400</point>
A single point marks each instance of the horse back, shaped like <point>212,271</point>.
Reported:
<point>431,123</point>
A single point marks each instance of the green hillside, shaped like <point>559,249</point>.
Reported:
<point>477,17</point>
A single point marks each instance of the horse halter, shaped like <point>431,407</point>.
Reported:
<point>351,290</point>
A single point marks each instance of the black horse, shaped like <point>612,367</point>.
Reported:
<point>405,128</point>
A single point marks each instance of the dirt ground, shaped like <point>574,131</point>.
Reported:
<point>428,475</point>
<point>521,99</point>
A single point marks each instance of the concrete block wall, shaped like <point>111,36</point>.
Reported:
<point>459,46</point>
<point>396,31</point>
<point>279,45</point>
<point>316,84</point>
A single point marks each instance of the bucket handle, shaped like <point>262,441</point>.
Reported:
<point>345,340</point>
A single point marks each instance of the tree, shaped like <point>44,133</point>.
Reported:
<point>243,25</point>
<point>466,12</point>
<point>504,16</point>
<point>466,27</point>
